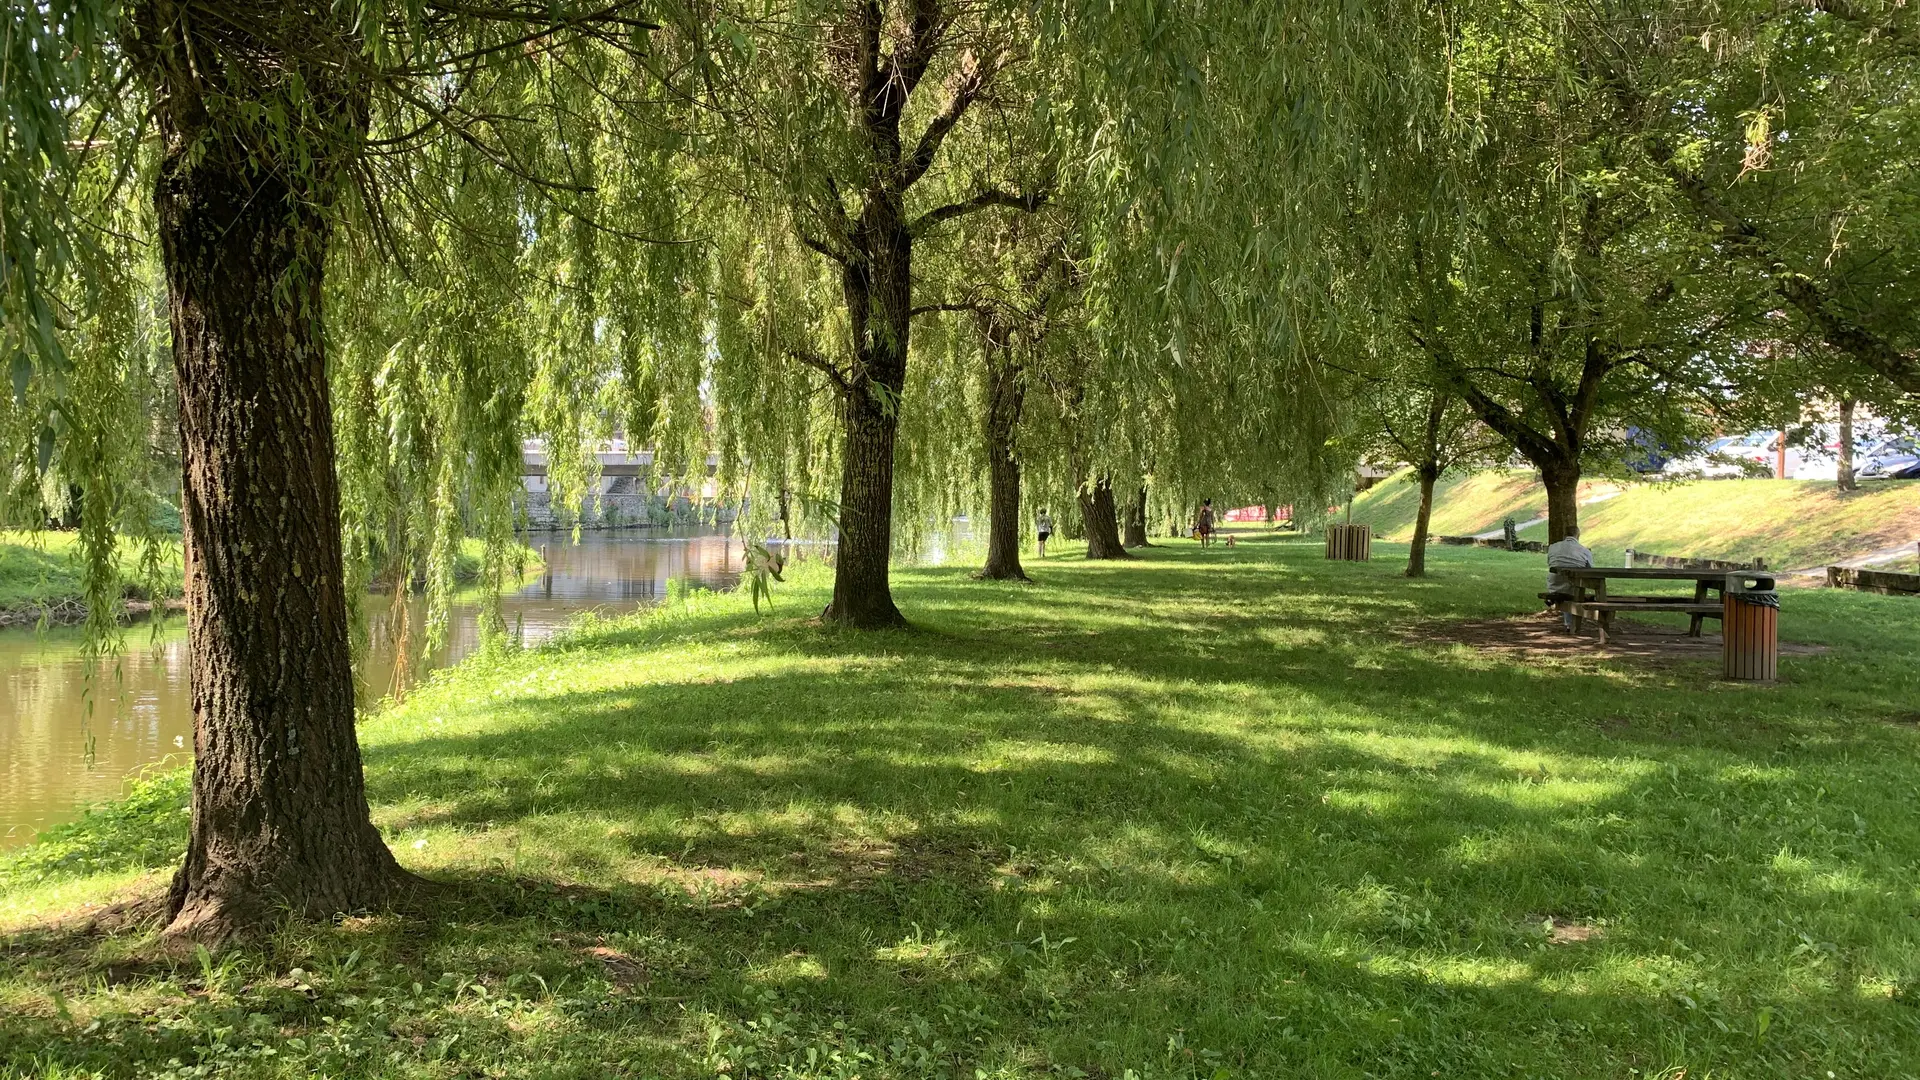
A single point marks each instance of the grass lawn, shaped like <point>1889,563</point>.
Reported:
<point>1464,503</point>
<point>42,569</point>
<point>1203,815</point>
<point>1789,523</point>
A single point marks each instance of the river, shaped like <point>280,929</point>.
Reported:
<point>140,712</point>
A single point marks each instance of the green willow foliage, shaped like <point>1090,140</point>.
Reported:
<point>1202,151</point>
<point>84,338</point>
<point>506,262</point>
<point>560,224</point>
<point>1213,195</point>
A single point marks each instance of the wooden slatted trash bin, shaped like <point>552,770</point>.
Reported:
<point>1750,628</point>
<point>1350,543</point>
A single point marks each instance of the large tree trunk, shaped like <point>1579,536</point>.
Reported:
<point>279,811</point>
<point>878,290</point>
<point>1417,551</point>
<point>1845,474</point>
<point>1102,521</point>
<point>1563,504</point>
<point>862,595</point>
<point>1005,395</point>
<point>1137,523</point>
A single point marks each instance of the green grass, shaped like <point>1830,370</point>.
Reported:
<point>37,570</point>
<point>1464,503</point>
<point>42,570</point>
<point>1202,815</point>
<point>1789,523</point>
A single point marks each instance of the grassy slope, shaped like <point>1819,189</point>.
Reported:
<point>1203,815</point>
<point>1789,523</point>
<point>1464,503</point>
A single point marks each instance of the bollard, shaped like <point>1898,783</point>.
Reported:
<point>1750,629</point>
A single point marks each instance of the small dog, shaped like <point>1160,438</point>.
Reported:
<point>1229,539</point>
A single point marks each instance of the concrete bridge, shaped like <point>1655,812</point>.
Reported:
<point>627,493</point>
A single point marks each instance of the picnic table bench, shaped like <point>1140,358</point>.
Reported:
<point>1593,601</point>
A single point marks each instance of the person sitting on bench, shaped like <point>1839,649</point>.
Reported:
<point>1565,553</point>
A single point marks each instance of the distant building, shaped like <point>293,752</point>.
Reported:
<point>1365,476</point>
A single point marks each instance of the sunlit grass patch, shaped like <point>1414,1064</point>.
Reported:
<point>1208,813</point>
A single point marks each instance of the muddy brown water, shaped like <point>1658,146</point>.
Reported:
<point>135,712</point>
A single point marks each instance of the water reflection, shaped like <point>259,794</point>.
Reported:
<point>137,713</point>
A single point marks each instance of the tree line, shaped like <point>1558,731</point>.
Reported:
<point>890,260</point>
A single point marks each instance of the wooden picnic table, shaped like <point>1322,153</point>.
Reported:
<point>1593,600</point>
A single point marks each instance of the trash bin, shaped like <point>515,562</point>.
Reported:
<point>1350,543</point>
<point>1750,628</point>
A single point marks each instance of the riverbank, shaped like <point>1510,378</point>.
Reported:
<point>1239,813</point>
<point>1788,523</point>
<point>41,578</point>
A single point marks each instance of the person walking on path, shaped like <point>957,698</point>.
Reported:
<point>1203,523</point>
<point>1043,526</point>
<point>1566,553</point>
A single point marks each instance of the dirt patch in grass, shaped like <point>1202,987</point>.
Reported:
<point>1569,931</point>
<point>1542,636</point>
<point>623,971</point>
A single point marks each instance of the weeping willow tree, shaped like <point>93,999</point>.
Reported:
<point>1211,287</point>
<point>840,118</point>
<point>456,180</point>
<point>1208,146</point>
<point>405,236</point>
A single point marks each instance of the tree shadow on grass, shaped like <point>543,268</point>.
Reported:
<point>932,968</point>
<point>1146,833</point>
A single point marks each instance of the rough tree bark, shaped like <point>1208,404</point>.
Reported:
<point>1417,551</point>
<point>1136,535</point>
<point>1428,466</point>
<point>1562,481</point>
<point>279,810</point>
<point>1006,395</point>
<point>1844,476</point>
<point>1097,510</point>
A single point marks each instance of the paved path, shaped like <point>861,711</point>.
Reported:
<point>1872,558</point>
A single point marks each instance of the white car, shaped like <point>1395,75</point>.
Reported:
<point>1823,463</point>
<point>1713,462</point>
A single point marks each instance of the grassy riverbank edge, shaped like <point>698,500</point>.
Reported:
<point>1226,813</point>
<point>40,578</point>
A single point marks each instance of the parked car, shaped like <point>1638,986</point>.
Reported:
<point>1893,459</point>
<point>1732,456</point>
<point>1705,465</point>
<point>1822,458</point>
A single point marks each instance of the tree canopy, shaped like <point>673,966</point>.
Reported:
<point>317,272</point>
